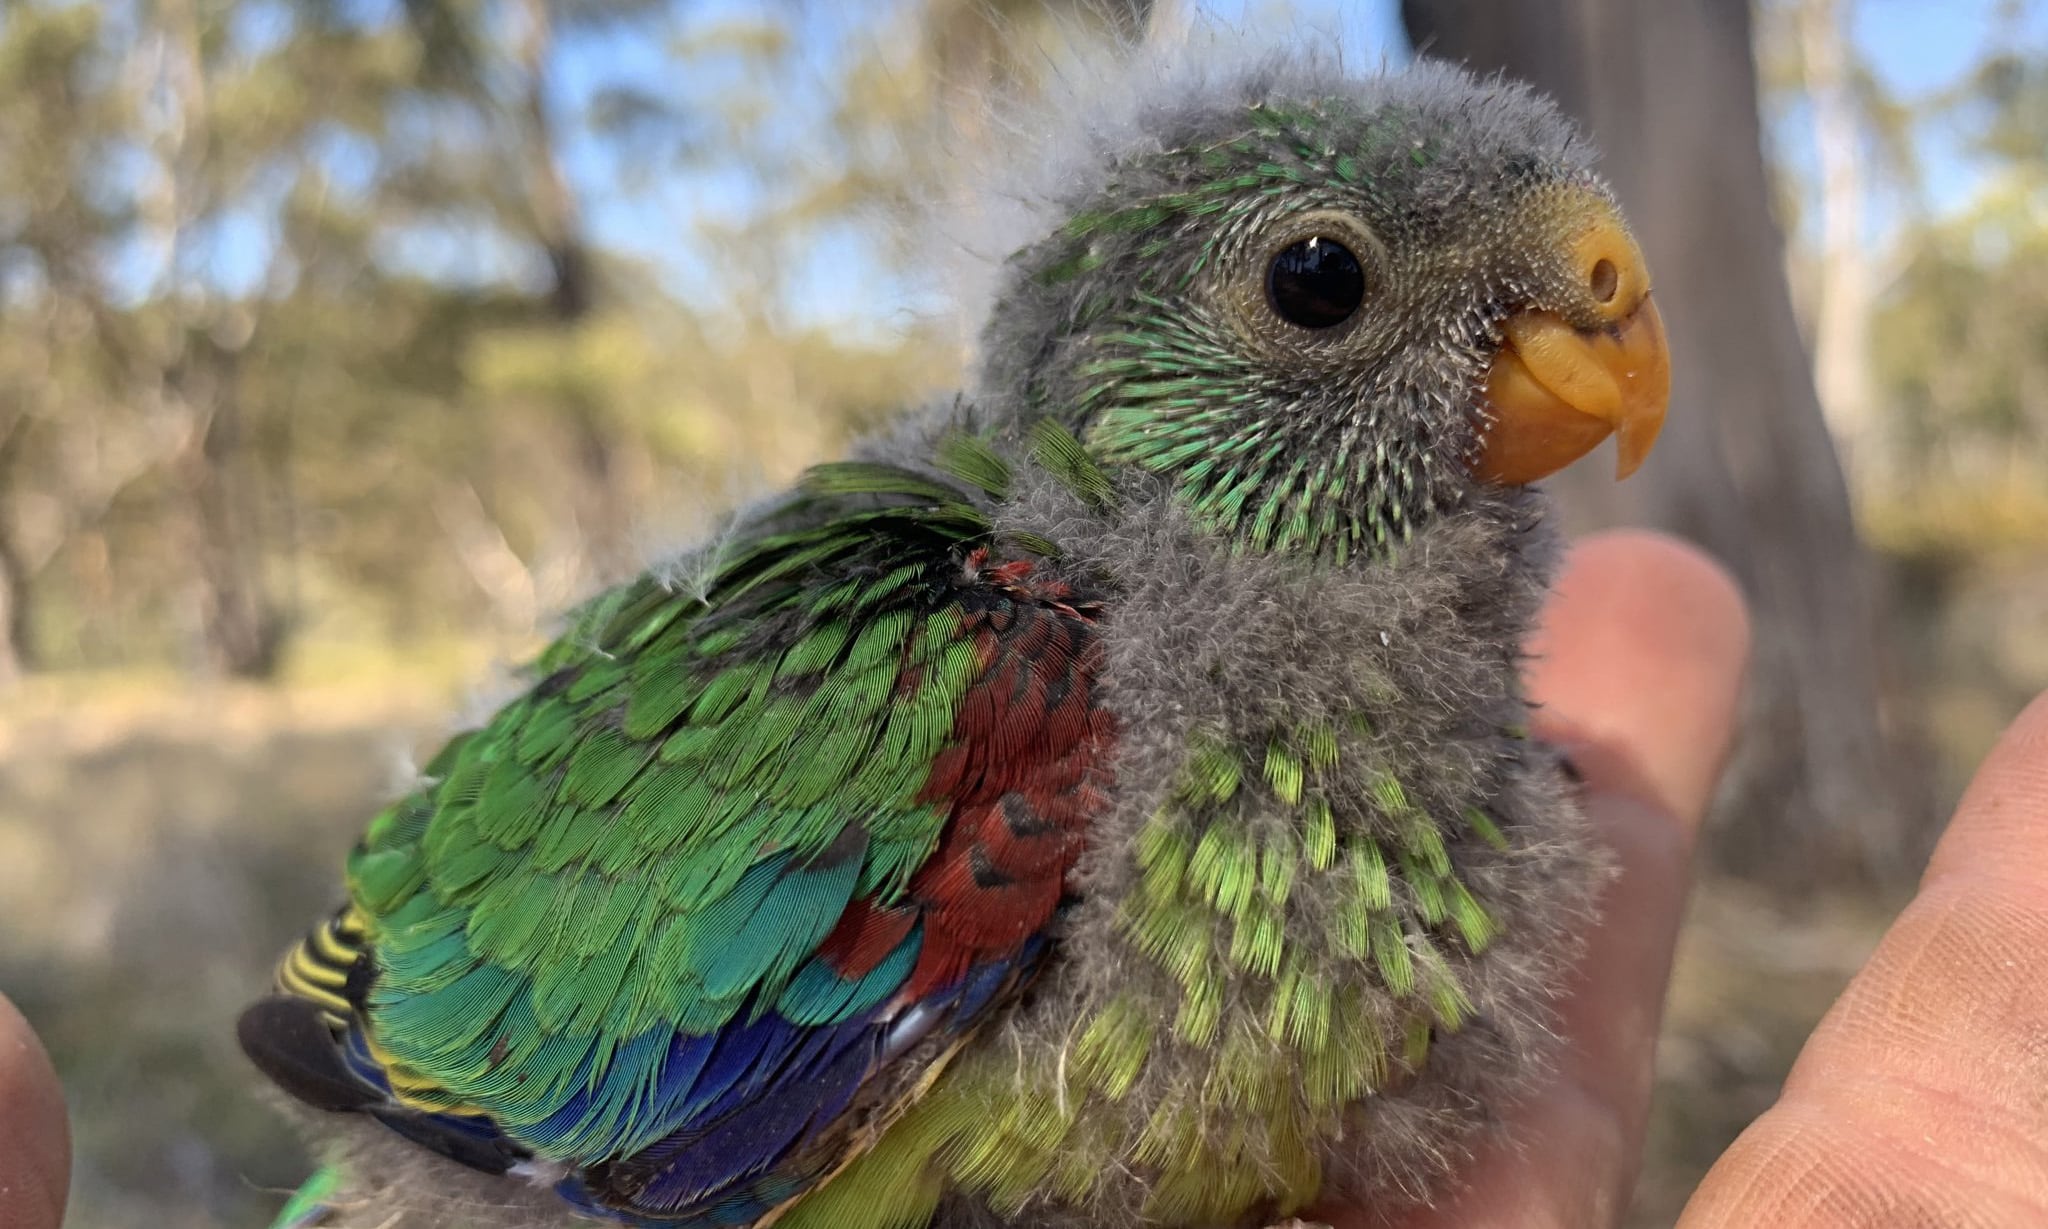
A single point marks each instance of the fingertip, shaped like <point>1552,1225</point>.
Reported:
<point>1997,825</point>
<point>35,1134</point>
<point>1637,665</point>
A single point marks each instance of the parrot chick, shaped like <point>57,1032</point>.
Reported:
<point>1106,801</point>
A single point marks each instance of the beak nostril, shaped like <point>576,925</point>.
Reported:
<point>1606,280</point>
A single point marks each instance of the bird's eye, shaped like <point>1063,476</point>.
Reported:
<point>1316,283</point>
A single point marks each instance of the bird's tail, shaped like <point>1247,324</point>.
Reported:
<point>318,967</point>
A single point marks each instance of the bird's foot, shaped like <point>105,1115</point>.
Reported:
<point>1298,1223</point>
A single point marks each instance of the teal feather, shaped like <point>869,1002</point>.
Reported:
<point>818,994</point>
<point>669,825</point>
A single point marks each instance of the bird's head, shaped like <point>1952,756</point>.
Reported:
<point>1324,309</point>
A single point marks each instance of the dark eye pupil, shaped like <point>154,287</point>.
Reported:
<point>1315,283</point>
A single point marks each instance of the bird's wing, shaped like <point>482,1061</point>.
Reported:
<point>732,874</point>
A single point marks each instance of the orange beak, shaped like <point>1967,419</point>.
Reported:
<point>1556,389</point>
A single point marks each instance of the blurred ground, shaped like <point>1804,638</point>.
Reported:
<point>158,845</point>
<point>157,851</point>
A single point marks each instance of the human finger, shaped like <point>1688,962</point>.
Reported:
<point>35,1136</point>
<point>1922,1097</point>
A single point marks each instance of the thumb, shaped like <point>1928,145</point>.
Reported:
<point>35,1138</point>
<point>1636,670</point>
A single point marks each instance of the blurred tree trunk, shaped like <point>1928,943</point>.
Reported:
<point>606,514</point>
<point>244,627</point>
<point>17,655</point>
<point>557,222</point>
<point>1746,467</point>
<point>17,648</point>
<point>1847,282</point>
<point>241,625</point>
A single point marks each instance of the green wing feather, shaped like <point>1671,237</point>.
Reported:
<point>665,827</point>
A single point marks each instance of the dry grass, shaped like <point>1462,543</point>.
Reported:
<point>156,853</point>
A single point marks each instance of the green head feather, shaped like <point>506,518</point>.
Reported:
<point>1327,410</point>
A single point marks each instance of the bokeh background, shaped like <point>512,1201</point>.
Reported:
<point>342,342</point>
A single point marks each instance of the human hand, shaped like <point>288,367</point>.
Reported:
<point>35,1137</point>
<point>1922,1098</point>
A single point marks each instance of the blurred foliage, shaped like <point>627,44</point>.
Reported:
<point>315,370</point>
<point>1962,351</point>
<point>1950,473</point>
<point>1955,458</point>
<point>305,335</point>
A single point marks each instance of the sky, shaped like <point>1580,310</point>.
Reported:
<point>1917,47</point>
<point>1920,48</point>
<point>643,203</point>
